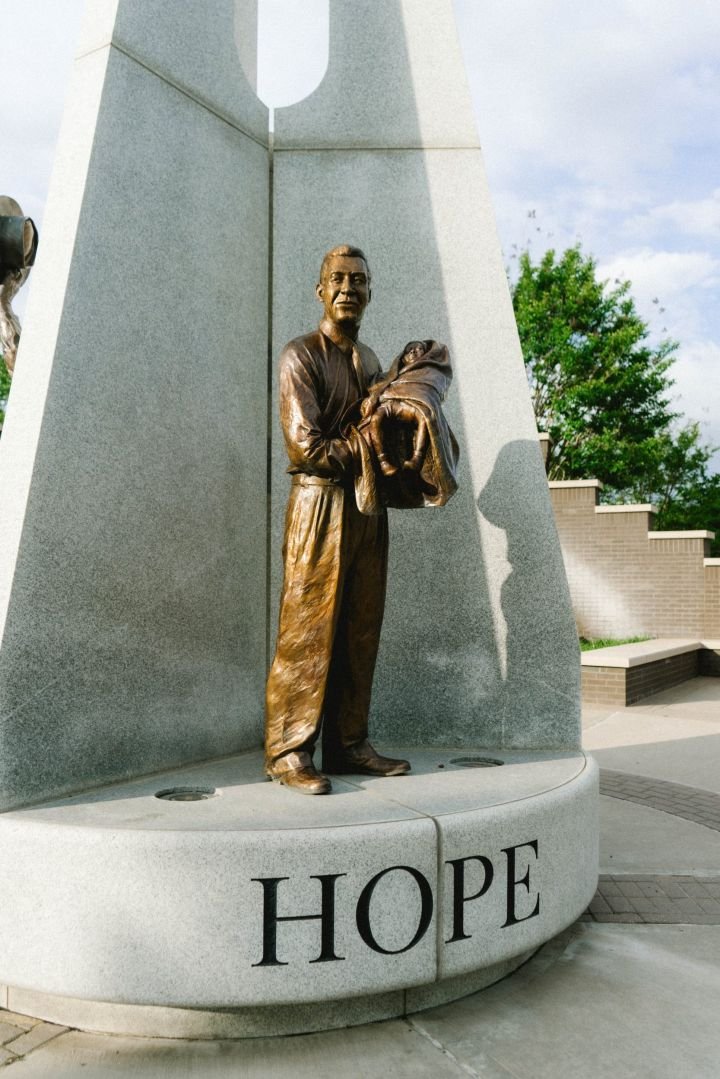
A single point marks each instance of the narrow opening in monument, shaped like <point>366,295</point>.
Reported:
<point>293,48</point>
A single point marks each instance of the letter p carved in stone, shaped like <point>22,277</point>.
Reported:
<point>459,897</point>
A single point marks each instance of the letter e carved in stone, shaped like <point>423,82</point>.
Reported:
<point>513,882</point>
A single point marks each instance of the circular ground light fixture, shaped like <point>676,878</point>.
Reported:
<point>476,762</point>
<point>187,794</point>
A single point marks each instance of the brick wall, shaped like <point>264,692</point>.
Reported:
<point>709,660</point>
<point>627,579</point>
<point>712,597</point>
<point>625,685</point>
<point>650,678</point>
<point>603,685</point>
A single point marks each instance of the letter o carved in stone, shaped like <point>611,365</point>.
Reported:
<point>362,913</point>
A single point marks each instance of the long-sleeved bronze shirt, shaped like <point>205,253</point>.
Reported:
<point>321,375</point>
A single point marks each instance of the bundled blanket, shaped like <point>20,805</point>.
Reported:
<point>405,453</point>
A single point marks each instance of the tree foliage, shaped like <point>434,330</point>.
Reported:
<point>598,388</point>
<point>601,390</point>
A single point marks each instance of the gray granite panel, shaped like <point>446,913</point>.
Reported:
<point>479,643</point>
<point>539,872</point>
<point>207,48</point>
<point>243,801</point>
<point>132,587</point>
<point>177,917</point>
<point>447,780</point>
<point>395,78</point>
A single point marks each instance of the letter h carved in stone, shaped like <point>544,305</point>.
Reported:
<point>271,919</point>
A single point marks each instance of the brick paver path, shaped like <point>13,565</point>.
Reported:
<point>651,898</point>
<point>699,806</point>
<point>19,1035</point>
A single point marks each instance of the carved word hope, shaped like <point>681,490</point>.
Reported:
<point>363,908</point>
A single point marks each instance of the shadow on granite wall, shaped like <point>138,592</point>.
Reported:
<point>355,162</point>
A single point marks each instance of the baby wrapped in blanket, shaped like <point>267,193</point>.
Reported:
<point>409,454</point>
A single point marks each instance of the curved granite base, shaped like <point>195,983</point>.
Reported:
<point>258,911</point>
<point>146,1021</point>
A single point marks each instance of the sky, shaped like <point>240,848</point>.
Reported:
<point>602,121</point>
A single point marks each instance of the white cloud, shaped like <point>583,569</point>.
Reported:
<point>697,388</point>
<point>288,29</point>
<point>604,90</point>
<point>672,289</point>
<point>698,217</point>
<point>39,43</point>
<point>663,274</point>
<point>679,281</point>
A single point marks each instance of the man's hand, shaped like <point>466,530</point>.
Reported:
<point>369,404</point>
<point>389,415</point>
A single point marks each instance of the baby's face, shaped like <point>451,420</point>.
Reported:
<point>413,352</point>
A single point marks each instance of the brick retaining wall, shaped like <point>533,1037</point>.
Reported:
<point>646,680</point>
<point>622,675</point>
<point>626,579</point>
<point>709,662</point>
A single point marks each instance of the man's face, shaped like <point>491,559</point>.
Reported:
<point>344,290</point>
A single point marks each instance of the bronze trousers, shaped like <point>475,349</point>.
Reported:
<point>331,612</point>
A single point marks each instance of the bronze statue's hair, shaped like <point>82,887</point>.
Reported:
<point>348,251</point>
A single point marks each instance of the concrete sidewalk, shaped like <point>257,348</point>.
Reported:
<point>631,990</point>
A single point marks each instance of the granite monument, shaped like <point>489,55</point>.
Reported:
<point>144,490</point>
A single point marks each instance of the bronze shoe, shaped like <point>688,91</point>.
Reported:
<point>303,780</point>
<point>297,771</point>
<point>364,761</point>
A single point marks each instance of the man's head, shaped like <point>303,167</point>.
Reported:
<point>344,287</point>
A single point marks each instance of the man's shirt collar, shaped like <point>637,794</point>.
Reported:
<point>338,338</point>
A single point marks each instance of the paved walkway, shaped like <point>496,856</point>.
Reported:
<point>630,991</point>
<point>654,900</point>
<point>692,803</point>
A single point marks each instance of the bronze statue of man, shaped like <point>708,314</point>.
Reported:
<point>333,593</point>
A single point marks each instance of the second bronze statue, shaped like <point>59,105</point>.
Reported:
<point>335,556</point>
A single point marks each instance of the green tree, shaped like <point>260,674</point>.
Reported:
<point>598,388</point>
<point>686,494</point>
<point>679,466</point>
<point>696,505</point>
<point>601,390</point>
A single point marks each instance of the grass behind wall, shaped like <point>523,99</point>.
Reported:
<point>607,642</point>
